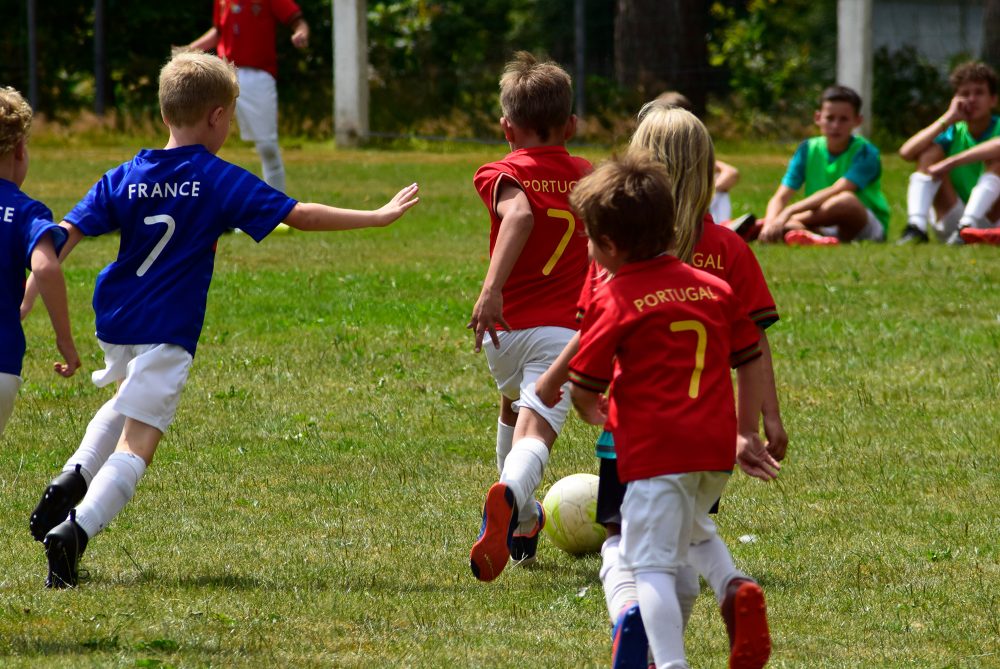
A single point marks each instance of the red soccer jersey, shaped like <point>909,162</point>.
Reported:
<point>246,30</point>
<point>544,285</point>
<point>674,331</point>
<point>723,253</point>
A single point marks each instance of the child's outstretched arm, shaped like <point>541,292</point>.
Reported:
<point>312,216</point>
<point>751,454</point>
<point>988,150</point>
<point>726,176</point>
<point>773,228</point>
<point>548,387</point>
<point>516,223</point>
<point>31,287</point>
<point>592,406</point>
<point>49,279</point>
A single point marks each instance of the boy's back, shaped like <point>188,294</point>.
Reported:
<point>546,279</point>
<point>171,206</point>
<point>675,332</point>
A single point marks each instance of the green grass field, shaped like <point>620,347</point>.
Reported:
<point>315,500</point>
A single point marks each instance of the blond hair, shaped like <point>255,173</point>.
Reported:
<point>627,199</point>
<point>192,84</point>
<point>15,119</point>
<point>681,142</point>
<point>536,96</point>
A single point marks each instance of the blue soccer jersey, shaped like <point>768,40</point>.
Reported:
<point>171,206</point>
<point>23,222</point>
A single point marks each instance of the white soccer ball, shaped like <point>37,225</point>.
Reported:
<point>570,509</point>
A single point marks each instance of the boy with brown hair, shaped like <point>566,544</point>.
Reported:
<point>171,206</point>
<point>967,199</point>
<point>662,336</point>
<point>538,260</point>
<point>842,175</point>
<point>29,240</point>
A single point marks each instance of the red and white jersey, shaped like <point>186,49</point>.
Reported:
<point>247,28</point>
<point>723,253</point>
<point>666,334</point>
<point>544,285</point>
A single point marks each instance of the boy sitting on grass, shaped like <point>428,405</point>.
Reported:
<point>842,175</point>
<point>663,335</point>
<point>29,240</point>
<point>171,205</point>
<point>967,198</point>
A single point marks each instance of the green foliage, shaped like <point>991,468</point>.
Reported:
<point>772,72</point>
<point>905,82</point>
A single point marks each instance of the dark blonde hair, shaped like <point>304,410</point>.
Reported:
<point>681,143</point>
<point>973,71</point>
<point>15,119</point>
<point>192,84</point>
<point>536,96</point>
<point>627,199</point>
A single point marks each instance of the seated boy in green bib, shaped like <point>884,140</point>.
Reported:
<point>842,175</point>
<point>967,198</point>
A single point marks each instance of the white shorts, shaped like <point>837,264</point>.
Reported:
<point>721,207</point>
<point>257,105</point>
<point>152,377</point>
<point>523,356</point>
<point>664,515</point>
<point>9,385</point>
<point>872,232</point>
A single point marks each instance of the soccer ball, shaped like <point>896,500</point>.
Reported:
<point>570,509</point>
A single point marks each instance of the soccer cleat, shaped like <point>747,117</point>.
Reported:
<point>64,546</point>
<point>807,238</point>
<point>629,645</point>
<point>980,235</point>
<point>65,492</point>
<point>491,551</point>
<point>912,235</point>
<point>956,238</point>
<point>745,614</point>
<point>523,547</point>
<point>743,226</point>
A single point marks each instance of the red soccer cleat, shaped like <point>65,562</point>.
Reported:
<point>745,614</point>
<point>490,553</point>
<point>807,238</point>
<point>980,236</point>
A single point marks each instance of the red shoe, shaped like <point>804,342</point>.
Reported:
<point>490,553</point>
<point>807,238</point>
<point>980,236</point>
<point>745,614</point>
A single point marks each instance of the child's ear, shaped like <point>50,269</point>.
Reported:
<point>817,115</point>
<point>20,149</point>
<point>508,129</point>
<point>570,129</point>
<point>858,120</point>
<point>608,246</point>
<point>215,115</point>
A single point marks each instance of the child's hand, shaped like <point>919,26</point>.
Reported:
<point>548,391</point>
<point>939,169</point>
<point>777,438</point>
<point>398,205</point>
<point>68,350</point>
<point>485,316</point>
<point>754,459</point>
<point>772,230</point>
<point>958,110</point>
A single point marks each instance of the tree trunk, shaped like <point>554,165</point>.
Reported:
<point>660,45</point>
<point>991,36</point>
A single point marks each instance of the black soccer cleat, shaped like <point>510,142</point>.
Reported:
<point>65,492</point>
<point>912,235</point>
<point>742,225</point>
<point>523,547</point>
<point>64,546</point>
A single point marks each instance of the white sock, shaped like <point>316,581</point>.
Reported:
<point>505,439</point>
<point>661,616</point>
<point>688,589</point>
<point>721,207</point>
<point>981,200</point>
<point>618,583</point>
<point>98,442</point>
<point>522,472</point>
<point>109,492</point>
<point>274,169</point>
<point>919,198</point>
<point>715,563</point>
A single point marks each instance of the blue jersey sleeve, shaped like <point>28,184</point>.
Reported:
<point>255,207</point>
<point>945,139</point>
<point>37,222</point>
<point>795,175</point>
<point>93,214</point>
<point>865,167</point>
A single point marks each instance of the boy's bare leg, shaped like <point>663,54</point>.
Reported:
<point>843,211</point>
